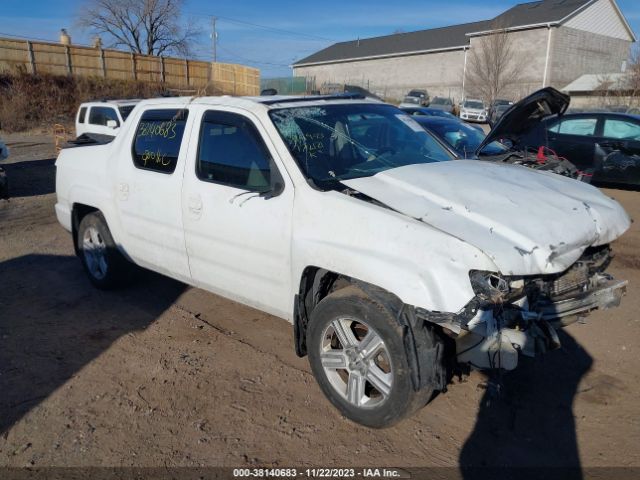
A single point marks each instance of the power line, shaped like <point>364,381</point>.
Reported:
<point>264,27</point>
<point>248,60</point>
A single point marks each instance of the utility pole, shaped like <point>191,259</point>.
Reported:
<point>214,38</point>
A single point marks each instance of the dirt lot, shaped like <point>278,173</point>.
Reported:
<point>161,374</point>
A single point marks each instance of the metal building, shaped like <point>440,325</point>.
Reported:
<point>556,41</point>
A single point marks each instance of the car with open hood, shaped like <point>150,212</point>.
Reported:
<point>345,217</point>
<point>605,145</point>
<point>468,141</point>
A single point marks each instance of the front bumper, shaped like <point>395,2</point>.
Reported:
<point>485,343</point>
<point>607,293</point>
<point>473,117</point>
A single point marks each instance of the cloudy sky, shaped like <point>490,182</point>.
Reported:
<point>272,35</point>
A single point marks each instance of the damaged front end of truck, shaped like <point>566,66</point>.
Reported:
<point>520,315</point>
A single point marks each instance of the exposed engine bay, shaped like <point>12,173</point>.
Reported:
<point>511,315</point>
<point>541,159</point>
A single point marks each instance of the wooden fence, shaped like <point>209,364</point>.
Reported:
<point>58,59</point>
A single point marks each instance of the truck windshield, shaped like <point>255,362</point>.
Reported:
<point>342,141</point>
<point>474,105</point>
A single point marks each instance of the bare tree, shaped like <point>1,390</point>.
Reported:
<point>143,26</point>
<point>620,89</point>
<point>493,65</point>
<point>633,81</point>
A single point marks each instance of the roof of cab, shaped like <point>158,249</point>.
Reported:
<point>122,102</point>
<point>270,101</point>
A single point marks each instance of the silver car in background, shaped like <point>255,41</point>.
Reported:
<point>473,111</point>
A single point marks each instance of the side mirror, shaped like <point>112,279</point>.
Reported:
<point>274,191</point>
<point>112,124</point>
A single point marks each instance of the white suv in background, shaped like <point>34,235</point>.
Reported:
<point>103,117</point>
<point>473,111</point>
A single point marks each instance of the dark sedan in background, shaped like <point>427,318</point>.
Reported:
<point>434,112</point>
<point>606,143</point>
<point>428,111</point>
<point>444,104</point>
<point>496,114</point>
<point>467,142</point>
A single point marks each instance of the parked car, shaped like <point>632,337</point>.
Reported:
<point>416,97</point>
<point>431,112</point>
<point>4,182</point>
<point>444,104</point>
<point>464,140</point>
<point>461,138</point>
<point>473,111</point>
<point>606,144</point>
<point>344,216</point>
<point>103,118</point>
<point>496,114</point>
<point>356,90</point>
<point>500,102</point>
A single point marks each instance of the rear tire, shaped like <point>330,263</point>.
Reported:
<point>105,266</point>
<point>357,355</point>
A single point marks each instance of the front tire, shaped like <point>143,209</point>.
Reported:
<point>357,355</point>
<point>105,266</point>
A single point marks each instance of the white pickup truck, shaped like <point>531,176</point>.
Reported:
<point>344,217</point>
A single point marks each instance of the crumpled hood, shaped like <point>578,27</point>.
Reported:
<point>526,222</point>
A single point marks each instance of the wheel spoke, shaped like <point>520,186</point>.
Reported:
<point>370,345</point>
<point>102,263</point>
<point>95,237</point>
<point>344,333</point>
<point>334,359</point>
<point>355,388</point>
<point>381,381</point>
<point>91,260</point>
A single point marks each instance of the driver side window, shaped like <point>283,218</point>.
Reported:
<point>231,152</point>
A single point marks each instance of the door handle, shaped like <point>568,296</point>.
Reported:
<point>123,191</point>
<point>194,205</point>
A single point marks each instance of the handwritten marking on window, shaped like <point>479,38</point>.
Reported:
<point>158,129</point>
<point>156,157</point>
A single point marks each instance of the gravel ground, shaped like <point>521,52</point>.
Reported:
<point>162,374</point>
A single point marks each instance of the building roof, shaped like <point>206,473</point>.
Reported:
<point>537,13</point>
<point>453,37</point>
<point>399,43</point>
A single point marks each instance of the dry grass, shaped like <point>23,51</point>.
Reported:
<point>34,101</point>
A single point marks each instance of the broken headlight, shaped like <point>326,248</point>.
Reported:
<point>493,287</point>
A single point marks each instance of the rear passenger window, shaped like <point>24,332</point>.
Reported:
<point>157,141</point>
<point>576,126</point>
<point>82,115</point>
<point>232,153</point>
<point>100,116</point>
